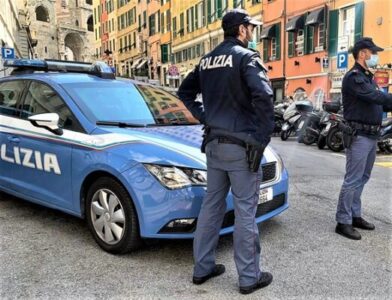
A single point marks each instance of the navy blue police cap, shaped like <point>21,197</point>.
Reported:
<point>366,43</point>
<point>237,16</point>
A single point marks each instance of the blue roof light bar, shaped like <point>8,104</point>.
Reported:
<point>98,68</point>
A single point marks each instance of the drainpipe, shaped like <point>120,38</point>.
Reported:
<point>284,47</point>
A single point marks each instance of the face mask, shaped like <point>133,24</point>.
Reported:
<point>372,61</point>
<point>252,45</point>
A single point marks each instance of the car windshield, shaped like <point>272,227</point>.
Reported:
<point>128,102</point>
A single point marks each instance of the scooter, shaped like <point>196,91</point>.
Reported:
<point>385,139</point>
<point>294,118</point>
<point>314,125</point>
<point>279,110</point>
<point>334,138</point>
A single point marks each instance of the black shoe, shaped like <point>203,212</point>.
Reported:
<point>348,231</point>
<point>361,223</point>
<point>218,270</point>
<point>265,279</point>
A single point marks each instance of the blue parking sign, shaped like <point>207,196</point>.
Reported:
<point>342,60</point>
<point>7,53</point>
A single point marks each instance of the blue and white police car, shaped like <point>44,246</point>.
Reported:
<point>122,154</point>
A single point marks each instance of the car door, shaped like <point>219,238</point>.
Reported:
<point>44,171</point>
<point>10,95</point>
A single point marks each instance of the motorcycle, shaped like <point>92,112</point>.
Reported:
<point>279,110</point>
<point>294,118</point>
<point>385,140</point>
<point>314,125</point>
<point>334,138</point>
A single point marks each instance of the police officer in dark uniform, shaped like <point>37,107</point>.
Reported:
<point>363,106</point>
<point>238,110</point>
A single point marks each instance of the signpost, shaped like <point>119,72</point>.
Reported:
<point>7,53</point>
<point>342,60</point>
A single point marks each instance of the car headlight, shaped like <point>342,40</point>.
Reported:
<point>279,161</point>
<point>177,177</point>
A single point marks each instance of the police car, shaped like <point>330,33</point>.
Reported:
<point>123,154</point>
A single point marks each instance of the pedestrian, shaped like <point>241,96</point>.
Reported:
<point>237,108</point>
<point>363,105</point>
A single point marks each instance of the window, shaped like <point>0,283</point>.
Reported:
<point>168,18</point>
<point>348,25</point>
<point>41,99</point>
<point>273,49</point>
<point>10,93</point>
<point>174,27</point>
<point>42,14</point>
<point>320,37</point>
<point>163,23</point>
<point>151,24</point>
<point>181,31</point>
<point>300,42</point>
<point>90,2</point>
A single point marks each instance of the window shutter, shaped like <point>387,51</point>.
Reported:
<point>333,32</point>
<point>265,50</point>
<point>209,12</point>
<point>309,45</point>
<point>291,44</point>
<point>219,8</point>
<point>358,21</point>
<point>277,35</point>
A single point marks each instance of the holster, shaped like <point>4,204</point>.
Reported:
<point>205,140</point>
<point>254,154</point>
<point>348,134</point>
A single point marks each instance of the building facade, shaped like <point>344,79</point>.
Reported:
<point>63,29</point>
<point>299,41</point>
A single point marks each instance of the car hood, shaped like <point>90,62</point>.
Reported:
<point>183,141</point>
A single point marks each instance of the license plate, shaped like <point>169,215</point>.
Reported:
<point>285,126</point>
<point>328,126</point>
<point>265,195</point>
<point>301,124</point>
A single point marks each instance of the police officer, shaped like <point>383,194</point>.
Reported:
<point>238,108</point>
<point>363,105</point>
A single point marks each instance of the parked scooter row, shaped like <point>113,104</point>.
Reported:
<point>321,127</point>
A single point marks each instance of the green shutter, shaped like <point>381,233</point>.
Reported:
<point>309,36</point>
<point>358,21</point>
<point>218,5</point>
<point>196,18</point>
<point>333,32</point>
<point>291,44</point>
<point>277,35</point>
<point>265,50</point>
<point>209,11</point>
<point>164,53</point>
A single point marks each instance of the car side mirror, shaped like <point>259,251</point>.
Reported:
<point>49,121</point>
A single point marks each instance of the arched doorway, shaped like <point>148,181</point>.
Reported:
<point>74,42</point>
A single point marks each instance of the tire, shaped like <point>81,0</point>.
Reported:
<point>284,134</point>
<point>111,217</point>
<point>322,141</point>
<point>335,140</point>
<point>308,139</point>
<point>388,144</point>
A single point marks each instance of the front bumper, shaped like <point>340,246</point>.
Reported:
<point>157,206</point>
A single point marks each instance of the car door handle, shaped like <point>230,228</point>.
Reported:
<point>14,139</point>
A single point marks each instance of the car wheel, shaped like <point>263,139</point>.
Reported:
<point>388,144</point>
<point>335,140</point>
<point>111,216</point>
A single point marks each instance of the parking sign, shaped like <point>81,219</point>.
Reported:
<point>7,53</point>
<point>342,60</point>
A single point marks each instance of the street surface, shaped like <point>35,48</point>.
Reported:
<point>48,254</point>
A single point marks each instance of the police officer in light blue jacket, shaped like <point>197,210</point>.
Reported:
<point>363,106</point>
<point>238,108</point>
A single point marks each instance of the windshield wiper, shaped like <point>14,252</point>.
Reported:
<point>120,124</point>
<point>174,122</point>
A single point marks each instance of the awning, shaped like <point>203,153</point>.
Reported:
<point>144,61</point>
<point>315,17</point>
<point>295,23</point>
<point>135,63</point>
<point>268,32</point>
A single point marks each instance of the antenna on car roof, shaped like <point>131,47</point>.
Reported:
<point>21,66</point>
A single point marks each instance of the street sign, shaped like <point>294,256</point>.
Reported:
<point>7,53</point>
<point>342,60</point>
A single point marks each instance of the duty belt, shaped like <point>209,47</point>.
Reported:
<point>366,128</point>
<point>230,140</point>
